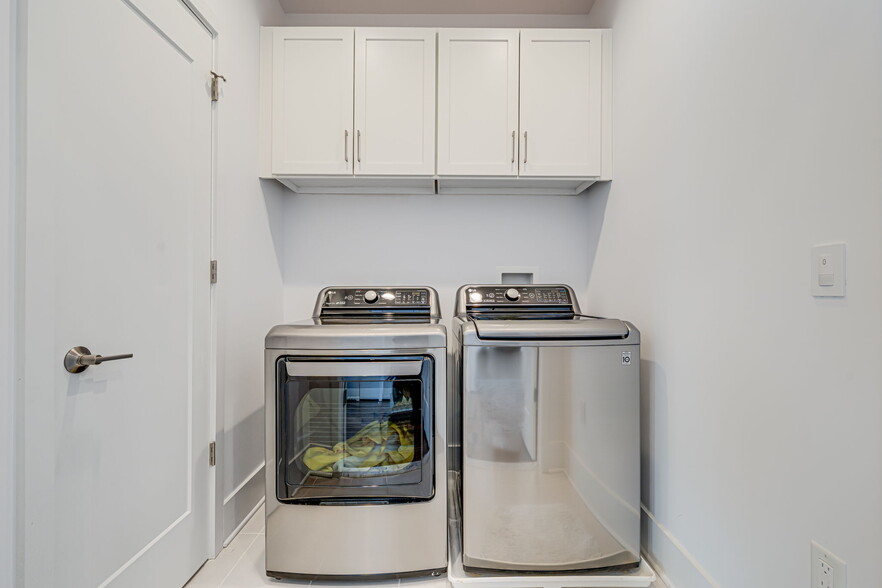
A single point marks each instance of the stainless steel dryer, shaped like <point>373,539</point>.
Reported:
<point>549,431</point>
<point>355,448</point>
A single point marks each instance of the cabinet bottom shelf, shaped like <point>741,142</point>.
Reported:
<point>444,185</point>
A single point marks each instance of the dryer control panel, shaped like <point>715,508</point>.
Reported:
<point>388,300</point>
<point>357,297</point>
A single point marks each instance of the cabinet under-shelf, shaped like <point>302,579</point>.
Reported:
<point>443,185</point>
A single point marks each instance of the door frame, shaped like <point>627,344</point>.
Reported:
<point>13,208</point>
<point>210,21</point>
<point>11,285</point>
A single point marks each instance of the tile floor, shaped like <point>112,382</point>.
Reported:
<point>240,565</point>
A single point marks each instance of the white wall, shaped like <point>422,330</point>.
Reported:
<point>439,241</point>
<point>746,131</point>
<point>7,399</point>
<point>247,238</point>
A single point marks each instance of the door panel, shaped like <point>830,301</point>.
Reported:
<point>395,101</point>
<point>477,102</point>
<point>560,102</point>
<point>312,100</point>
<point>117,240</point>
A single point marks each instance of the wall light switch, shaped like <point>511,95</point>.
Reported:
<point>828,270</point>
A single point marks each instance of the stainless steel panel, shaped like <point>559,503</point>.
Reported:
<point>550,457</point>
<point>501,408</point>
<point>334,369</point>
<point>551,329</point>
<point>309,336</point>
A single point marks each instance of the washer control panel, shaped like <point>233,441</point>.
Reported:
<point>518,295</point>
<point>376,297</point>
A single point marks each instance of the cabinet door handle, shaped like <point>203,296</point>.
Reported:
<point>513,146</point>
<point>525,146</point>
<point>358,146</point>
<point>346,145</point>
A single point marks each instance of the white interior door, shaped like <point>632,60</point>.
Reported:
<point>312,100</point>
<point>477,102</point>
<point>394,101</point>
<point>116,483</point>
<point>561,102</point>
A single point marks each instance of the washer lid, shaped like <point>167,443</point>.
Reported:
<point>551,330</point>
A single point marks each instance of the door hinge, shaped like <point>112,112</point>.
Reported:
<point>213,272</point>
<point>212,458</point>
<point>215,92</point>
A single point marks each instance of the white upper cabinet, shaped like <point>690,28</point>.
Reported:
<point>477,102</point>
<point>356,110</point>
<point>312,73</point>
<point>394,101</point>
<point>561,102</point>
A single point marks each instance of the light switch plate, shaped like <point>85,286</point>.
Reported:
<point>828,270</point>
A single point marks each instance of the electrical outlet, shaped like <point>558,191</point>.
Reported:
<point>828,571</point>
<point>825,574</point>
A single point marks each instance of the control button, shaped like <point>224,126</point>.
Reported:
<point>370,296</point>
<point>475,297</point>
<point>512,295</point>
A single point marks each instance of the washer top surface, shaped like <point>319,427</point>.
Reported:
<point>366,318</point>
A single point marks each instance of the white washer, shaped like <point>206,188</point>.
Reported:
<point>355,446</point>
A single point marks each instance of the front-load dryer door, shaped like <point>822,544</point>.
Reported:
<point>354,430</point>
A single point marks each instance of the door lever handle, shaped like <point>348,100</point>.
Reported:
<point>77,359</point>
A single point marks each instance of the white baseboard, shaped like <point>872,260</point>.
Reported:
<point>676,567</point>
<point>242,503</point>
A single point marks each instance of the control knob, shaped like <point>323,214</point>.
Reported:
<point>512,294</point>
<point>370,296</point>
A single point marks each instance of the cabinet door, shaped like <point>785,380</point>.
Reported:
<point>560,102</point>
<point>477,102</point>
<point>394,101</point>
<point>312,100</point>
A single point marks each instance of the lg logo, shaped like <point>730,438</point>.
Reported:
<point>626,358</point>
